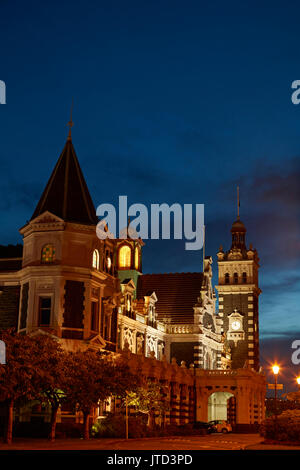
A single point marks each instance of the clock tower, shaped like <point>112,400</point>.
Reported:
<point>238,298</point>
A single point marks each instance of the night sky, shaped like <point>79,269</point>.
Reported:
<point>173,102</point>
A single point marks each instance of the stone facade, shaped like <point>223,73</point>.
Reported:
<point>91,293</point>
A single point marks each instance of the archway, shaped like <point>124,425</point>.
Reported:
<point>222,405</point>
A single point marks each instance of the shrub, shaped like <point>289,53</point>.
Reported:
<point>115,426</point>
<point>288,427</point>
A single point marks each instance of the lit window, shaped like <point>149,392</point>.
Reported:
<point>44,311</point>
<point>96,259</point>
<point>125,257</point>
<point>137,258</point>
<point>108,260</point>
<point>48,254</point>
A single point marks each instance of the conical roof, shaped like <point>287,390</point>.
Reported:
<point>66,194</point>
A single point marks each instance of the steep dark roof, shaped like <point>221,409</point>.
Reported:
<point>177,294</point>
<point>66,194</point>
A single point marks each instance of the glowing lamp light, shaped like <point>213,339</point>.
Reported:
<point>298,380</point>
<point>275,370</point>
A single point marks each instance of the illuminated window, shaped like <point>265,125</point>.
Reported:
<point>96,259</point>
<point>125,257</point>
<point>48,254</point>
<point>137,258</point>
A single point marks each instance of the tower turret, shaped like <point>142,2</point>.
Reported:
<point>238,292</point>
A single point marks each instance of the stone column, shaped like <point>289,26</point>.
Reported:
<point>184,409</point>
<point>175,403</point>
<point>242,406</point>
<point>201,404</point>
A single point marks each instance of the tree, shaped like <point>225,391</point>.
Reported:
<point>51,364</point>
<point>122,380</point>
<point>92,377</point>
<point>150,399</point>
<point>18,377</point>
<point>86,382</point>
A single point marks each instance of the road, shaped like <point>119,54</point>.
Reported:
<point>209,442</point>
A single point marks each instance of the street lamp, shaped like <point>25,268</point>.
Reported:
<point>298,380</point>
<point>275,372</point>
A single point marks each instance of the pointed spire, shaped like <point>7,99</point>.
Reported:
<point>66,194</point>
<point>70,123</point>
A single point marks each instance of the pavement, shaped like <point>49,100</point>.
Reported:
<point>185,443</point>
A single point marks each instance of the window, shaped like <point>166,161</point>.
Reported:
<point>125,257</point>
<point>236,278</point>
<point>95,316</point>
<point>244,278</point>
<point>96,259</point>
<point>128,303</point>
<point>137,258</point>
<point>227,279</point>
<point>44,311</point>
<point>48,254</point>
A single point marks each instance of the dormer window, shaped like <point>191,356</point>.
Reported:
<point>48,253</point>
<point>125,257</point>
<point>96,259</point>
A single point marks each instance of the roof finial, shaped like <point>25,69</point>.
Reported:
<point>70,123</point>
<point>238,202</point>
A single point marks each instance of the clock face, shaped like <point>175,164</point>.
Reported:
<point>236,325</point>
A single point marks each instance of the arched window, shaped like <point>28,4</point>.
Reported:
<point>96,259</point>
<point>236,278</point>
<point>244,278</point>
<point>227,279</point>
<point>48,253</point>
<point>137,258</point>
<point>125,257</point>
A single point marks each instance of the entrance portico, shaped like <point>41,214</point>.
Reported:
<point>245,385</point>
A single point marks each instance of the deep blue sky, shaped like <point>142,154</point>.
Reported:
<point>173,102</point>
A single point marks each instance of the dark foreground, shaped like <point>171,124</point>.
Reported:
<point>209,442</point>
